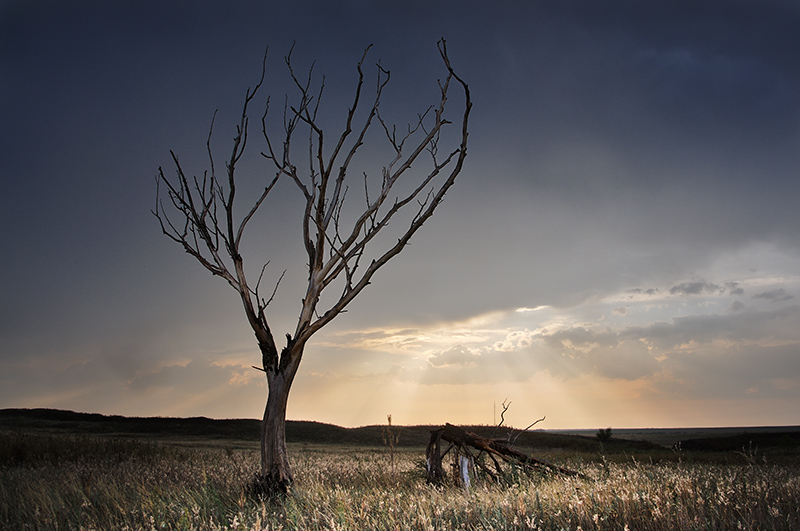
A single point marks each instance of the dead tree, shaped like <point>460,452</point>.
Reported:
<point>341,241</point>
<point>472,446</point>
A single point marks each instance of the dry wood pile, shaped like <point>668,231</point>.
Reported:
<point>468,448</point>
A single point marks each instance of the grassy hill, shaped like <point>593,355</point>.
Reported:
<point>301,432</point>
<point>245,432</point>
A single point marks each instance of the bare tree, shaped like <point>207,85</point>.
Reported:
<point>341,243</point>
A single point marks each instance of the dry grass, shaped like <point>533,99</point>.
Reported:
<point>53,485</point>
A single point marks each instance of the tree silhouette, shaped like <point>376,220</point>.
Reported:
<point>603,434</point>
<point>341,242</point>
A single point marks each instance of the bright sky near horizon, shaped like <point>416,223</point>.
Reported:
<point>622,248</point>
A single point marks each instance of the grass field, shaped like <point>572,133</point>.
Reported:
<point>58,481</point>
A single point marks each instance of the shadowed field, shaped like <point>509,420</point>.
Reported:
<point>56,476</point>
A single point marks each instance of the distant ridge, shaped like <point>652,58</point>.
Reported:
<point>308,432</point>
<point>98,424</point>
<point>303,432</point>
<point>203,429</point>
<point>749,441</point>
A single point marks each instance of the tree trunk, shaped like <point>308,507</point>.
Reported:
<point>276,472</point>
<point>275,468</point>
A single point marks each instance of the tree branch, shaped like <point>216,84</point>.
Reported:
<point>336,238</point>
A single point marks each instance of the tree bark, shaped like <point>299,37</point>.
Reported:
<point>275,468</point>
<point>434,458</point>
<point>276,472</point>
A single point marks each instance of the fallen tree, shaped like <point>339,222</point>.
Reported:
<point>468,448</point>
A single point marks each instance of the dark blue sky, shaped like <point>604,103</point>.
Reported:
<point>622,245</point>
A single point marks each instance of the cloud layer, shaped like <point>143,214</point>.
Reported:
<point>621,248</point>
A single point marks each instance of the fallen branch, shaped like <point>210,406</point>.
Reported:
<point>463,440</point>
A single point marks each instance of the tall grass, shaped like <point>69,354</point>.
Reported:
<point>137,486</point>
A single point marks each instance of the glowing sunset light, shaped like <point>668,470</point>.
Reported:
<point>621,248</point>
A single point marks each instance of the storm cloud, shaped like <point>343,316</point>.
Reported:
<point>623,235</point>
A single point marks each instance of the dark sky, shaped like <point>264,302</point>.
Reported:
<point>622,247</point>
